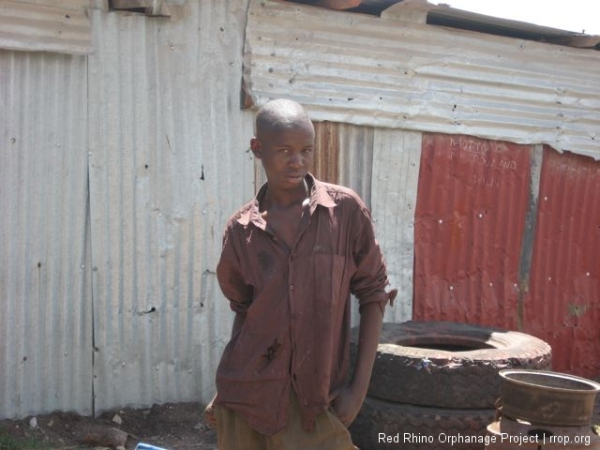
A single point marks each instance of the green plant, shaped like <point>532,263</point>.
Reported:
<point>8,442</point>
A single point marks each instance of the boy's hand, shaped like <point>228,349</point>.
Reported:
<point>347,405</point>
<point>348,402</point>
<point>209,414</point>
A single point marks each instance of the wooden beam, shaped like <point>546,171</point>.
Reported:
<point>333,4</point>
<point>338,4</point>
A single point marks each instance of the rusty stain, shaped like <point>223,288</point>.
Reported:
<point>576,310</point>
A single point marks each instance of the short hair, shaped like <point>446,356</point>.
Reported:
<point>279,113</point>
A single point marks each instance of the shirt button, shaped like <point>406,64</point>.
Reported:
<point>291,287</point>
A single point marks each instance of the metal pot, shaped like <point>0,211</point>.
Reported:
<point>547,398</point>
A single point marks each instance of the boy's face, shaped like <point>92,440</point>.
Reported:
<point>286,153</point>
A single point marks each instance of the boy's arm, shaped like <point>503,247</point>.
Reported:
<point>209,411</point>
<point>368,284</point>
<point>349,401</point>
<point>239,294</point>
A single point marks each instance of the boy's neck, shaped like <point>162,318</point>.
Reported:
<point>285,199</point>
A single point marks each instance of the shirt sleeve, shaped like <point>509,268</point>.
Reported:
<point>230,275</point>
<point>370,279</point>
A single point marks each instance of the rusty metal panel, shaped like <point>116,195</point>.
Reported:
<point>396,161</point>
<point>45,271</point>
<point>168,167</point>
<point>372,71</point>
<point>472,201</point>
<point>327,143</point>
<point>563,303</point>
<point>48,25</point>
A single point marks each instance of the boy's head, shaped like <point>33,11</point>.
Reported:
<point>284,142</point>
<point>280,114</point>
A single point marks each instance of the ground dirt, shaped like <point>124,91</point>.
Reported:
<point>177,426</point>
<point>173,426</point>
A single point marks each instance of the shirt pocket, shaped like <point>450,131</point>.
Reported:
<point>332,278</point>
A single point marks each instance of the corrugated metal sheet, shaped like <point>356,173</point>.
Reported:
<point>355,159</point>
<point>363,70</point>
<point>472,202</point>
<point>48,25</point>
<point>168,166</point>
<point>169,163</point>
<point>327,144</point>
<point>563,302</point>
<point>345,156</point>
<point>45,288</point>
<point>396,163</point>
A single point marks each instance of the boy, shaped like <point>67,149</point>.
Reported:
<point>291,257</point>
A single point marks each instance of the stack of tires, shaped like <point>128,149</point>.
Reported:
<point>435,384</point>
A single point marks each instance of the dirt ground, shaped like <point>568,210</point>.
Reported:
<point>177,426</point>
<point>173,426</point>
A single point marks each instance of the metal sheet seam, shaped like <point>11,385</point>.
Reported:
<point>529,231</point>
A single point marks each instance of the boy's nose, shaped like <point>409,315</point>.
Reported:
<point>296,159</point>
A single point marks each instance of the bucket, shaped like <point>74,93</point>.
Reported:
<point>547,398</point>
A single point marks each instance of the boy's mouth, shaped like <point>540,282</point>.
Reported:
<point>295,177</point>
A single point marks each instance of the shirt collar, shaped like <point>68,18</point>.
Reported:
<point>319,195</point>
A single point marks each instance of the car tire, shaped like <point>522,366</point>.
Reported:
<point>385,425</point>
<point>449,364</point>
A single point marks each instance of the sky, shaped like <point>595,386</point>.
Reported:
<point>571,15</point>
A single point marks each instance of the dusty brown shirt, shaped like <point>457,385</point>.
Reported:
<point>293,305</point>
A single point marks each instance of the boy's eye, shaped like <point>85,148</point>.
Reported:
<point>307,150</point>
<point>284,150</point>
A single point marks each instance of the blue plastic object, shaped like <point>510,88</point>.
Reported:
<point>144,446</point>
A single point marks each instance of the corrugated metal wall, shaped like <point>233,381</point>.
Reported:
<point>394,198</point>
<point>501,242</point>
<point>45,288</point>
<point>108,292</point>
<point>45,25</point>
<point>470,219</point>
<point>475,233</point>
<point>367,70</point>
<point>382,166</point>
<point>563,302</point>
<point>168,166</point>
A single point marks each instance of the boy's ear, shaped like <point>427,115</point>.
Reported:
<point>255,147</point>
